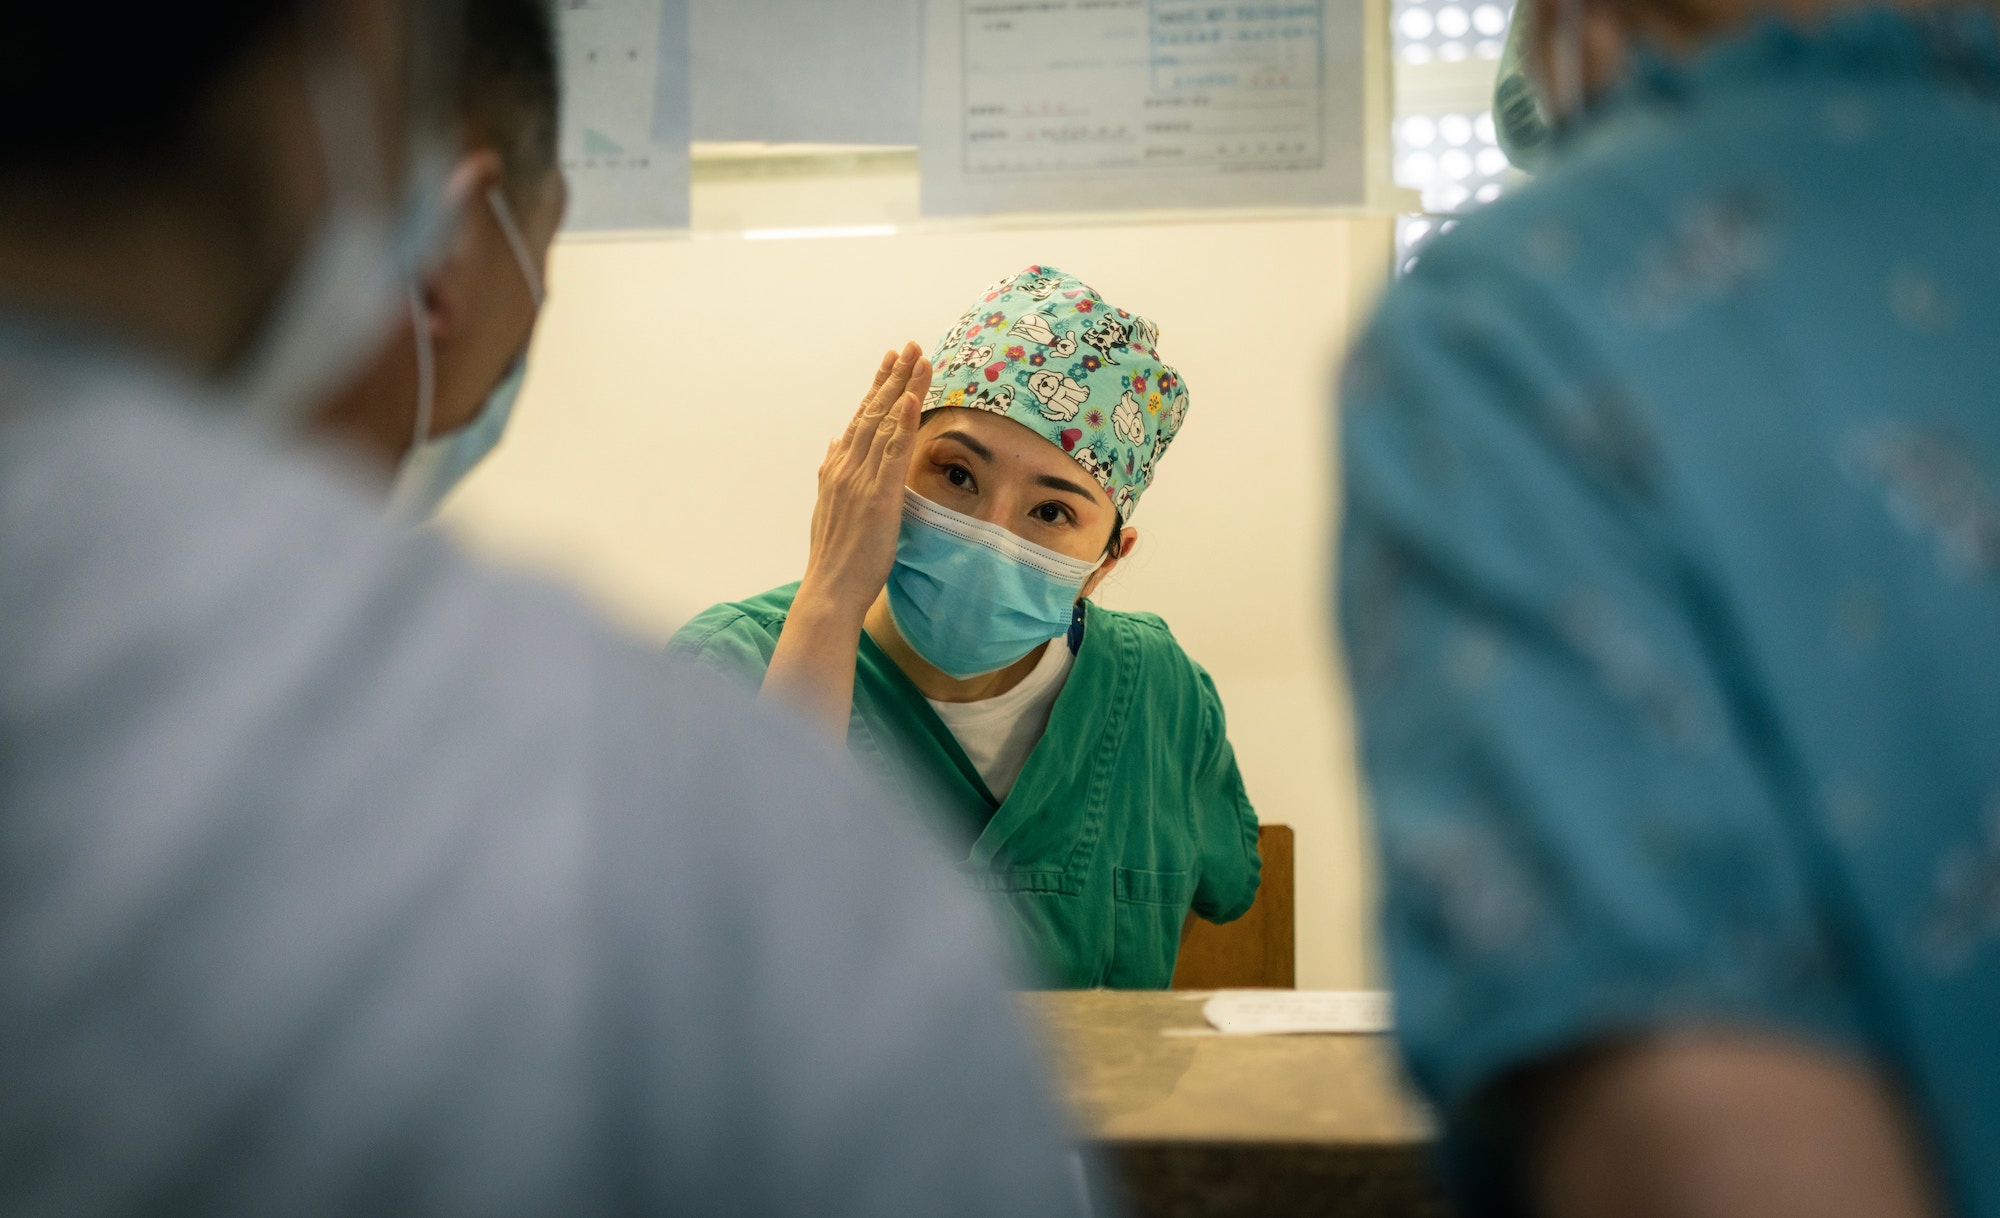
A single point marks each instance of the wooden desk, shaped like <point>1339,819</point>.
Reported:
<point>1207,1126</point>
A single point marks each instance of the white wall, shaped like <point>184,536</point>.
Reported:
<point>682,393</point>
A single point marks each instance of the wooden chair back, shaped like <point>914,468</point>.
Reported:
<point>1255,951</point>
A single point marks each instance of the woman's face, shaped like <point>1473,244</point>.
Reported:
<point>990,467</point>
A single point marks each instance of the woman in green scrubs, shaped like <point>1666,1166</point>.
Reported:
<point>944,630</point>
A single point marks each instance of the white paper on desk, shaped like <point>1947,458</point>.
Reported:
<point>625,113</point>
<point>1299,1012</point>
<point>1090,105</point>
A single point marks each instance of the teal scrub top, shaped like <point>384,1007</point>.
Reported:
<point>1672,583</point>
<point>1129,812</point>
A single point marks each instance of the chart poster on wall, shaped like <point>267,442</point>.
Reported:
<point>625,113</point>
<point>1085,105</point>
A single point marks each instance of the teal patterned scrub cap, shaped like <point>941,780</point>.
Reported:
<point>1045,350</point>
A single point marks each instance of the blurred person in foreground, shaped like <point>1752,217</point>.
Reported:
<point>1670,584</point>
<point>338,874</point>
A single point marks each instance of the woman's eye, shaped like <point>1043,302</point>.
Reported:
<point>1050,513</point>
<point>958,475</point>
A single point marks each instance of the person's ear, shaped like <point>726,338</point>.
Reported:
<point>447,285</point>
<point>1128,541</point>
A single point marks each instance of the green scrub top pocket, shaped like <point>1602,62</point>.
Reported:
<point>1150,906</point>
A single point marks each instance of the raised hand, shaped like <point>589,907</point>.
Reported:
<point>855,523</point>
<point>860,506</point>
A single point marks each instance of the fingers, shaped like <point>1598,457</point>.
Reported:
<point>880,431</point>
<point>891,379</point>
<point>901,447</point>
<point>882,372</point>
<point>864,431</point>
<point>898,425</point>
<point>898,380</point>
<point>920,380</point>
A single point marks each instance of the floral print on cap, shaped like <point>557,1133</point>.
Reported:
<point>1045,350</point>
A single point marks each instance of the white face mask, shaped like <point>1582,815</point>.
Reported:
<point>435,465</point>
<point>342,295</point>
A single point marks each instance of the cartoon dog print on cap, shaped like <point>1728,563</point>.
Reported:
<point>1060,396</point>
<point>1038,287</point>
<point>1094,465</point>
<point>1128,419</point>
<point>1044,349</point>
<point>956,334</point>
<point>1108,335</point>
<point>968,356</point>
<point>996,398</point>
<point>1034,328</point>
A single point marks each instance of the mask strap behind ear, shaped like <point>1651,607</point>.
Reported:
<point>503,215</point>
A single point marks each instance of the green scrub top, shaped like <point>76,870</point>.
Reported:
<point>1129,812</point>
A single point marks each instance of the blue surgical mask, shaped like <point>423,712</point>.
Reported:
<point>436,464</point>
<point>971,597</point>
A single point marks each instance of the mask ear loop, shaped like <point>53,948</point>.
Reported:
<point>426,367</point>
<point>503,215</point>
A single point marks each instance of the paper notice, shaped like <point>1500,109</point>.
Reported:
<point>625,113</point>
<point>1077,105</point>
<point>1299,1012</point>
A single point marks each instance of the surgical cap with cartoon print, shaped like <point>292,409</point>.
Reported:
<point>1045,350</point>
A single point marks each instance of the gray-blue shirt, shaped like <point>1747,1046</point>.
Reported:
<point>339,875</point>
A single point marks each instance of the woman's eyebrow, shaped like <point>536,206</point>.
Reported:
<point>986,454</point>
<point>1062,484</point>
<point>978,450</point>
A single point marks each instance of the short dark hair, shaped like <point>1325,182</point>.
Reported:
<point>119,84</point>
<point>508,89</point>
